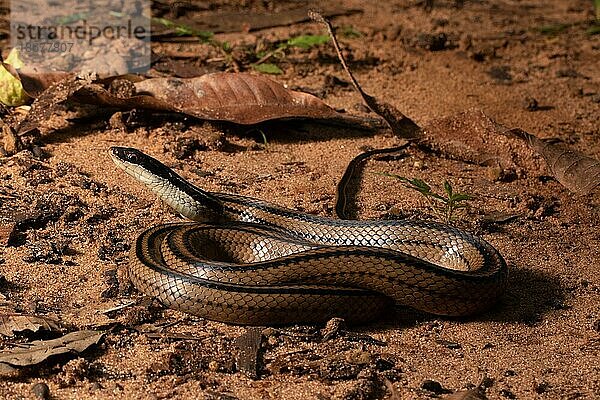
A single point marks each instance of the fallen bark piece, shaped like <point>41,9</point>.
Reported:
<point>11,324</point>
<point>40,350</point>
<point>249,345</point>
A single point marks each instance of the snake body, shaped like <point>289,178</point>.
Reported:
<point>247,261</point>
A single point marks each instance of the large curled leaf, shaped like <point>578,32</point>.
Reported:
<point>235,97</point>
<point>574,170</point>
<point>40,350</point>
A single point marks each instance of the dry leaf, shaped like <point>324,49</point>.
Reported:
<point>36,81</point>
<point>47,103</point>
<point>40,350</point>
<point>240,98</point>
<point>574,170</point>
<point>11,324</point>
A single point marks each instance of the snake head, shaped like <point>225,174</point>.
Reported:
<point>185,198</point>
<point>128,154</point>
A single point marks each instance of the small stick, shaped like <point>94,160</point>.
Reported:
<point>400,124</point>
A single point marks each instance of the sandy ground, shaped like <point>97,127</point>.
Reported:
<point>541,341</point>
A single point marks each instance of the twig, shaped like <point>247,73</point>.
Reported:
<point>400,124</point>
<point>119,307</point>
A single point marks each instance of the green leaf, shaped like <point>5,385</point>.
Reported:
<point>267,68</point>
<point>461,197</point>
<point>421,184</point>
<point>594,29</point>
<point>184,30</point>
<point>307,41</point>
<point>350,32</point>
<point>448,189</point>
<point>553,29</point>
<point>226,46</point>
<point>164,22</point>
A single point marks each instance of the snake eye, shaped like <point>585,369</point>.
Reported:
<point>131,157</point>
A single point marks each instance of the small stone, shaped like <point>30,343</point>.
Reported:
<point>500,74</point>
<point>39,153</point>
<point>508,394</point>
<point>7,230</point>
<point>333,328</point>
<point>432,42</point>
<point>433,386</point>
<point>213,366</point>
<point>541,387</point>
<point>530,104</point>
<point>358,357</point>
<point>272,341</point>
<point>40,390</point>
<point>122,88</point>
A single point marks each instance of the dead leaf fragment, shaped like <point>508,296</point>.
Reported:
<point>40,350</point>
<point>11,324</point>
<point>574,170</point>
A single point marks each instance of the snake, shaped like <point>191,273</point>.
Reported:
<point>246,261</point>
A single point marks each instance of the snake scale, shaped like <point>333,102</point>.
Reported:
<point>247,261</point>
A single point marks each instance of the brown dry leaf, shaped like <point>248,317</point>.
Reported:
<point>473,137</point>
<point>240,98</point>
<point>11,324</point>
<point>48,102</point>
<point>40,350</point>
<point>574,170</point>
<point>35,81</point>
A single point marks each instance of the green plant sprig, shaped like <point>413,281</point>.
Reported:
<point>302,42</point>
<point>444,206</point>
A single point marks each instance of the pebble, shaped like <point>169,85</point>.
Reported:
<point>40,390</point>
<point>213,366</point>
<point>433,386</point>
<point>530,104</point>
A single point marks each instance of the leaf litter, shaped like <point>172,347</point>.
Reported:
<point>12,324</point>
<point>38,351</point>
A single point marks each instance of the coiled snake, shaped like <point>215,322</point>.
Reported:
<point>246,261</point>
